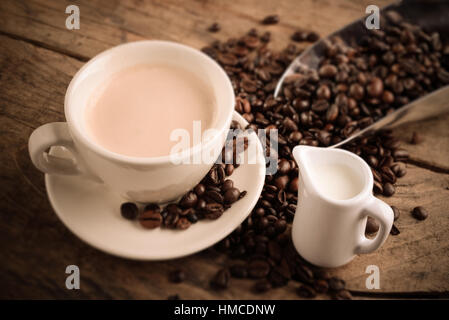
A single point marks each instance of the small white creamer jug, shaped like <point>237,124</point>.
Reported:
<point>334,200</point>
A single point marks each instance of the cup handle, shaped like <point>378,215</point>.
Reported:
<point>56,134</point>
<point>384,214</point>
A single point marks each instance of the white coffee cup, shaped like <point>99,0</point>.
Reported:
<point>155,179</point>
<point>330,232</point>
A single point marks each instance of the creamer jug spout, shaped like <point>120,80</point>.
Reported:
<point>301,154</point>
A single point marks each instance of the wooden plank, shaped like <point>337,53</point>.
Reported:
<point>434,133</point>
<point>32,86</point>
<point>107,23</point>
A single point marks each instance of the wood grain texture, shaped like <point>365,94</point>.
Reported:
<point>38,57</point>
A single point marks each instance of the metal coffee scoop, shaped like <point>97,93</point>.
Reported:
<point>430,15</point>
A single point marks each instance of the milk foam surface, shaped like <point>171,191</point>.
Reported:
<point>137,109</point>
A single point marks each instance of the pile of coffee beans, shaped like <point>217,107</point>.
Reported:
<point>354,86</point>
<point>207,200</point>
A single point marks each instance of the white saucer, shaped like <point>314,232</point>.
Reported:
<point>92,213</point>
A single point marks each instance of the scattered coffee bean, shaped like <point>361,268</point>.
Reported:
<point>183,223</point>
<point>189,200</point>
<point>389,189</point>
<point>261,286</point>
<point>150,219</point>
<point>416,138</point>
<point>306,291</point>
<point>214,27</point>
<point>342,295</point>
<point>258,269</point>
<point>153,207</point>
<point>394,231</point>
<point>129,210</point>
<point>372,225</point>
<point>238,271</point>
<point>220,280</point>
<point>336,284</point>
<point>231,195</point>
<point>200,189</point>
<point>271,19</point>
<point>420,213</point>
<point>321,286</point>
<point>177,276</point>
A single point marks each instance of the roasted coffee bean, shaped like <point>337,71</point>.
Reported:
<point>376,87</point>
<point>313,36</point>
<point>214,210</point>
<point>171,219</point>
<point>399,169</point>
<point>221,279</point>
<point>416,138</point>
<point>229,169</point>
<point>284,167</point>
<point>150,219</point>
<point>189,200</point>
<point>177,276</point>
<point>299,36</point>
<point>281,197</point>
<point>281,182</point>
<point>192,217</point>
<point>261,286</point>
<point>199,189</point>
<point>231,195</point>
<point>322,274</point>
<point>227,184</point>
<point>280,225</point>
<point>394,231</point>
<point>356,91</point>
<point>372,226</point>
<point>274,251</point>
<point>303,274</point>
<point>173,208</point>
<point>213,176</point>
<point>328,71</point>
<point>336,284</point>
<point>388,189</point>
<point>174,297</point>
<point>238,271</point>
<point>214,196</point>
<point>377,187</point>
<point>129,210</point>
<point>305,291</point>
<point>277,278</point>
<point>214,27</point>
<point>321,286</point>
<point>400,154</point>
<point>201,205</point>
<point>258,269</point>
<point>271,19</point>
<point>420,213</point>
<point>152,206</point>
<point>396,212</point>
<point>387,174</point>
<point>342,295</point>
<point>183,223</point>
<point>293,185</point>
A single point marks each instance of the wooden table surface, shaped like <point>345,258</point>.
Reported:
<point>39,56</point>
